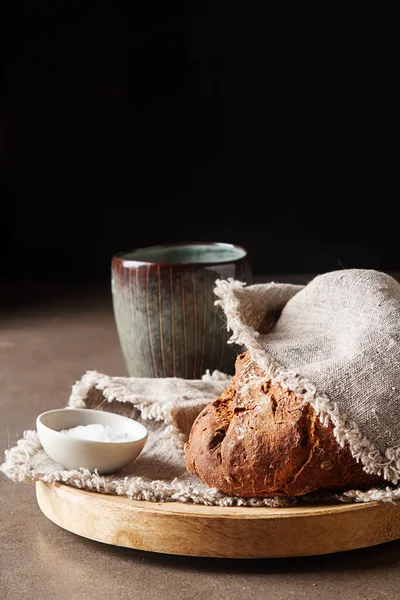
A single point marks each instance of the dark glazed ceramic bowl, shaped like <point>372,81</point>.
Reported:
<point>163,297</point>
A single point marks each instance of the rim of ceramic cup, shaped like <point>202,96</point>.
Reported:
<point>123,256</point>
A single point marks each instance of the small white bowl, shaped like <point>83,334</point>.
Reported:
<point>73,453</point>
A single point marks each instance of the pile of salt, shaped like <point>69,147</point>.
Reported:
<point>97,433</point>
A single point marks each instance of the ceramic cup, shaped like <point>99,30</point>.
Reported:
<point>163,298</point>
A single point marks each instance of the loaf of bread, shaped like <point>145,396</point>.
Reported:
<point>258,439</point>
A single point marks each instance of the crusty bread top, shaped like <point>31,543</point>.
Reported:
<point>260,440</point>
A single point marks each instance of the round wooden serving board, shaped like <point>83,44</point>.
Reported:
<point>224,532</point>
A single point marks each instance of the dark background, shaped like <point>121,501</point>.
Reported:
<point>125,124</point>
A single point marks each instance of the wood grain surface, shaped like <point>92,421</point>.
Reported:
<point>224,532</point>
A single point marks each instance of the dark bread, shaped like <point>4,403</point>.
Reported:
<point>260,440</point>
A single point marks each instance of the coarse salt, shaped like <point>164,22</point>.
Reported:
<point>98,433</point>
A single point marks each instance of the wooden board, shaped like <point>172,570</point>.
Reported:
<point>225,532</point>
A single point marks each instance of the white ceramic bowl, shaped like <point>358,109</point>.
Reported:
<point>72,453</point>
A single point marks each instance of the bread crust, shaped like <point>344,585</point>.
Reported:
<point>259,440</point>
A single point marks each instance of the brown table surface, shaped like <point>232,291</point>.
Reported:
<point>43,351</point>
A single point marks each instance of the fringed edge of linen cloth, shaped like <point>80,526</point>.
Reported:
<point>345,430</point>
<point>18,467</point>
<point>97,390</point>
